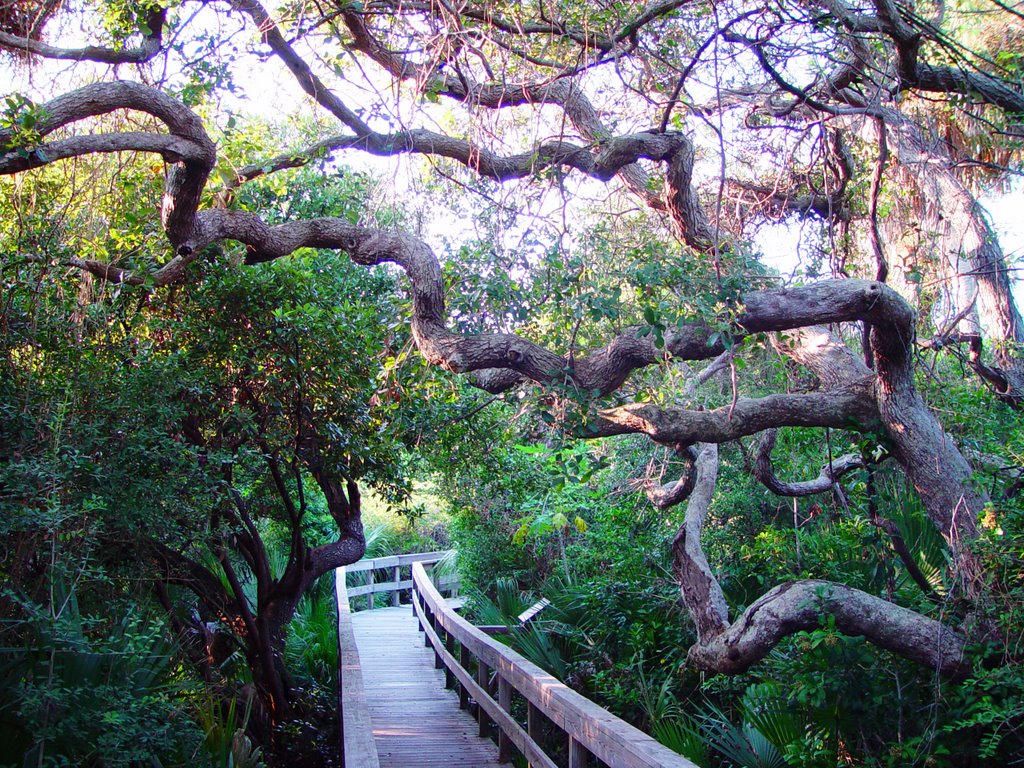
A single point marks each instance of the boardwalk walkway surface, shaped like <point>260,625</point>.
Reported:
<point>417,723</point>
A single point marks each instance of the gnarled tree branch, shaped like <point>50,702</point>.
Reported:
<point>802,606</point>
<point>764,471</point>
<point>152,42</point>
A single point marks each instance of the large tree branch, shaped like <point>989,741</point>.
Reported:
<point>826,302</point>
<point>802,606</point>
<point>846,408</point>
<point>185,177</point>
<point>173,149</point>
<point>990,89</point>
<point>151,45</point>
<point>603,370</point>
<point>689,221</point>
<point>764,471</point>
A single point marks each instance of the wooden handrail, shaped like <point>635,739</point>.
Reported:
<point>395,563</point>
<point>590,729</point>
<point>390,561</point>
<point>358,749</point>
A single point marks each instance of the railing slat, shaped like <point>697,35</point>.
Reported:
<point>593,730</point>
<point>578,755</point>
<point>505,702</point>
<point>378,587</point>
<point>358,747</point>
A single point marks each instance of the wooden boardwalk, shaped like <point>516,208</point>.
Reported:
<point>416,721</point>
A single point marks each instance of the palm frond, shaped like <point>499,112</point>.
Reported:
<point>683,735</point>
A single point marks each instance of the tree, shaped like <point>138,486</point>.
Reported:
<point>213,439</point>
<point>652,98</point>
<point>276,393</point>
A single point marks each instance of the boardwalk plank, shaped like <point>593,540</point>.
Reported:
<point>417,723</point>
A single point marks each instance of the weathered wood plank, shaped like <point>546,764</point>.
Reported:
<point>358,748</point>
<point>415,720</point>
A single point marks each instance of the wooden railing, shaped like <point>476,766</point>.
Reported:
<point>394,564</point>
<point>358,747</point>
<point>490,677</point>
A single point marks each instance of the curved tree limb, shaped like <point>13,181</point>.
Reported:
<point>561,90</point>
<point>764,471</point>
<point>173,149</point>
<point>791,608</point>
<point>152,43</point>
<point>700,590</point>
<point>802,605</point>
<point>849,407</point>
<point>944,484</point>
<point>923,76</point>
<point>678,491</point>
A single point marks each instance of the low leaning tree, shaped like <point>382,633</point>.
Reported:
<point>824,83</point>
<point>205,450</point>
<point>275,407</point>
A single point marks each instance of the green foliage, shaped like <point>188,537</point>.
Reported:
<point>84,689</point>
<point>311,647</point>
<point>619,632</point>
<point>225,739</point>
<point>21,121</point>
<point>134,425</point>
<point>988,710</point>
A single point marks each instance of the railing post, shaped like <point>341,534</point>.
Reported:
<point>505,702</point>
<point>449,676</point>
<point>464,657</point>
<point>483,676</point>
<point>369,596</point>
<point>396,595</point>
<point>579,757</point>
<point>533,716</point>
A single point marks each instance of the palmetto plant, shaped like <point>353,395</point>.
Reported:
<point>78,692</point>
<point>766,735</point>
<point>311,648</point>
<point>502,609</point>
<point>538,640</point>
<point>226,742</point>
